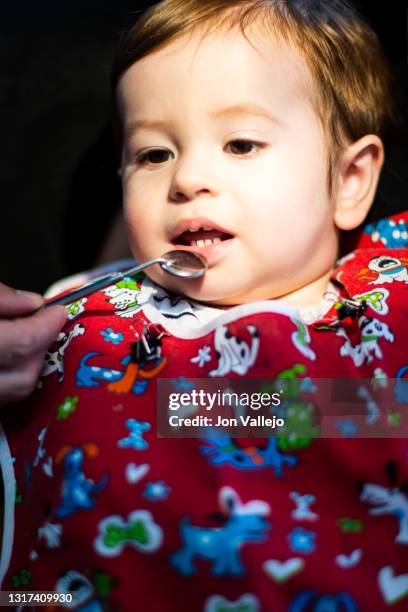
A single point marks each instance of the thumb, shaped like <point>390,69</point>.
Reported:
<point>14,303</point>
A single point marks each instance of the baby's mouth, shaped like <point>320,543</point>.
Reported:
<point>201,238</point>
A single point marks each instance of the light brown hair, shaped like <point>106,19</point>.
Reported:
<point>351,74</point>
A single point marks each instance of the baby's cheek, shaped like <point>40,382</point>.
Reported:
<point>142,238</point>
<point>137,247</point>
<point>132,227</point>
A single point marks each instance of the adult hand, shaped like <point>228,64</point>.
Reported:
<point>26,331</point>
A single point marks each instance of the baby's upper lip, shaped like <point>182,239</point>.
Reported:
<point>185,225</point>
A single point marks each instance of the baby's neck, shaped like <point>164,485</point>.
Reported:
<point>309,295</point>
<point>303,297</point>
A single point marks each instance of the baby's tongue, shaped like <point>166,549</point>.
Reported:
<point>188,237</point>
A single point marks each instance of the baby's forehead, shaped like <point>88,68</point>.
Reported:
<point>265,46</point>
<point>223,60</point>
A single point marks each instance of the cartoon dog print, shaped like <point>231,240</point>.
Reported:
<point>224,451</point>
<point>144,362</point>
<point>371,331</point>
<point>233,353</point>
<point>124,296</point>
<point>243,523</point>
<point>78,492</point>
<point>385,269</point>
<point>54,360</point>
<point>389,500</point>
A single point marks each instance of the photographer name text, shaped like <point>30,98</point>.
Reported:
<point>241,421</point>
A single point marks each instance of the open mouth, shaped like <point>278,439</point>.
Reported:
<point>204,237</point>
<point>201,238</point>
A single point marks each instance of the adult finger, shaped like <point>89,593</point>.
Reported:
<point>24,337</point>
<point>14,303</point>
<point>17,383</point>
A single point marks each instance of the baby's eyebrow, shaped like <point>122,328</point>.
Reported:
<point>237,109</point>
<point>245,109</point>
<point>152,124</point>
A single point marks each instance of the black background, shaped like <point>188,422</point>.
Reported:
<point>58,187</point>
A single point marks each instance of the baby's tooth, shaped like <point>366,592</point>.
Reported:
<point>193,230</point>
<point>207,242</point>
<point>201,243</point>
<point>216,240</point>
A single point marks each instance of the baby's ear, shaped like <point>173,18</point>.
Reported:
<point>357,179</point>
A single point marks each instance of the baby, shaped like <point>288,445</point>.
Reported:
<point>250,134</point>
<point>266,144</point>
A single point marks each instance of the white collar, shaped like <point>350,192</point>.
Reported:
<point>186,318</point>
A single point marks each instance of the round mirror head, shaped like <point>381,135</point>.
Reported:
<point>183,263</point>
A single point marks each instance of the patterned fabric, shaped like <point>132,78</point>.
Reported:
<point>129,521</point>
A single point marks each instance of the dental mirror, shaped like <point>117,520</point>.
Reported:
<point>184,264</point>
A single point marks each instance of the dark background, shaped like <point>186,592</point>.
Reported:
<point>59,191</point>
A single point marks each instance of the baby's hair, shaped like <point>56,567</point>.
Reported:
<point>352,91</point>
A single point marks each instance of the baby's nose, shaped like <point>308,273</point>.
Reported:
<point>192,180</point>
<point>189,193</point>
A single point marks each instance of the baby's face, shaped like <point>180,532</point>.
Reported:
<point>223,135</point>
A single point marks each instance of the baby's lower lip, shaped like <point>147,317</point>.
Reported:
<point>212,252</point>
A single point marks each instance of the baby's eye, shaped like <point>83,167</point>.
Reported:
<point>153,156</point>
<point>243,147</point>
